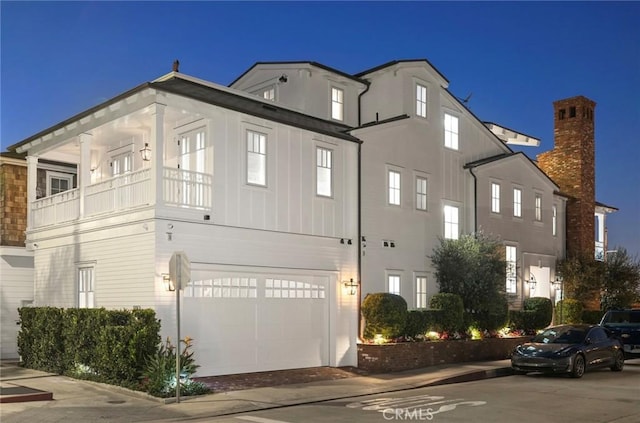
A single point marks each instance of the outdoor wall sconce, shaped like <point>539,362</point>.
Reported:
<point>146,152</point>
<point>351,286</point>
<point>558,282</point>
<point>532,282</point>
<point>168,283</point>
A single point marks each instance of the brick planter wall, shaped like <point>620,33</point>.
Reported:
<point>414,355</point>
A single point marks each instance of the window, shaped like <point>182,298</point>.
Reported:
<point>517,202</point>
<point>323,172</point>
<point>421,100</point>
<point>121,164</point>
<point>256,158</point>
<point>495,197</point>
<point>554,223</point>
<point>58,182</point>
<point>451,226</point>
<point>511,259</point>
<point>572,112</point>
<point>421,292</point>
<point>337,104</point>
<point>450,131</point>
<point>561,114</point>
<point>538,207</point>
<point>421,193</point>
<point>269,94</point>
<point>394,187</point>
<point>394,284</point>
<point>85,287</point>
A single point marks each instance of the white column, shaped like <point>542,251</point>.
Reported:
<point>84,172</point>
<point>157,152</point>
<point>32,185</point>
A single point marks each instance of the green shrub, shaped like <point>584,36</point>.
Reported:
<point>419,322</point>
<point>40,340</point>
<point>592,316</point>
<point>384,314</point>
<point>450,318</point>
<point>493,317</point>
<point>159,376</point>
<point>542,309</point>
<point>569,311</point>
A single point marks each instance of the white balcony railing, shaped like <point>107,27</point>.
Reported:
<point>57,208</point>
<point>181,188</point>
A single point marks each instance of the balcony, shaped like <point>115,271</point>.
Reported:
<point>180,188</point>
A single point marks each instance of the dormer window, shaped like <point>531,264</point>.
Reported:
<point>337,103</point>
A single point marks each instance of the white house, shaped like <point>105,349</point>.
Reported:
<point>260,198</point>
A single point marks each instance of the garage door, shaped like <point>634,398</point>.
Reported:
<point>256,322</point>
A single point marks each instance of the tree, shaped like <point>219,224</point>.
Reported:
<point>621,280</point>
<point>582,275</point>
<point>474,268</point>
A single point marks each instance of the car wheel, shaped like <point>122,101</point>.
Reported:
<point>578,367</point>
<point>618,364</point>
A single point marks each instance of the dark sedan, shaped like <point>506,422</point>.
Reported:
<point>569,349</point>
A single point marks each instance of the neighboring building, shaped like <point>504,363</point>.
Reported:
<point>16,262</point>
<point>260,198</point>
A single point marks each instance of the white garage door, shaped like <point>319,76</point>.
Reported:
<point>256,322</point>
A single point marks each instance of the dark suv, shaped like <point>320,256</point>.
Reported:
<point>625,324</point>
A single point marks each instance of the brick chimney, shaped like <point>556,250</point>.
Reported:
<point>571,164</point>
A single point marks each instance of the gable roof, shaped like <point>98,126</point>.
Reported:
<point>183,85</point>
<point>499,157</point>
<point>307,62</point>
<point>396,62</point>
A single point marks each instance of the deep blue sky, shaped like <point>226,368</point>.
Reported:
<point>516,58</point>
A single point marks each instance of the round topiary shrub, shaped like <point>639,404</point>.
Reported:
<point>384,314</point>
<point>452,311</point>
<point>542,312</point>
<point>569,311</point>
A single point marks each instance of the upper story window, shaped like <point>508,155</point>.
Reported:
<point>121,163</point>
<point>421,193</point>
<point>324,164</point>
<point>192,151</point>
<point>495,197</point>
<point>256,158</point>
<point>393,178</point>
<point>269,93</point>
<point>538,207</point>
<point>511,259</point>
<point>450,131</point>
<point>421,100</point>
<point>58,182</point>
<point>337,103</point>
<point>554,217</point>
<point>394,284</point>
<point>451,222</point>
<point>517,202</point>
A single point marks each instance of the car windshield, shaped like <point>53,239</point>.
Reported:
<point>621,317</point>
<point>561,335</point>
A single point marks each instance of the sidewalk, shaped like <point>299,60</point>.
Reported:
<point>84,397</point>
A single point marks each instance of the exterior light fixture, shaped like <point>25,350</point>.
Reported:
<point>352,286</point>
<point>168,283</point>
<point>146,152</point>
<point>532,282</point>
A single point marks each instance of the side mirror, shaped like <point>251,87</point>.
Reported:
<point>587,341</point>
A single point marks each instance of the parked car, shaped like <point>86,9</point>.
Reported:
<point>569,349</point>
<point>625,324</point>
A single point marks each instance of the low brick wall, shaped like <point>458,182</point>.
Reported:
<point>414,355</point>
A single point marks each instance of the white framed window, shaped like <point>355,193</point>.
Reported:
<point>517,202</point>
<point>324,165</point>
<point>421,292</point>
<point>121,163</point>
<point>393,283</point>
<point>554,222</point>
<point>538,207</point>
<point>421,100</point>
<point>86,286</point>
<point>337,103</point>
<point>450,131</point>
<point>421,193</point>
<point>451,222</point>
<point>58,182</point>
<point>393,181</point>
<point>269,93</point>
<point>495,197</point>
<point>256,158</point>
<point>511,259</point>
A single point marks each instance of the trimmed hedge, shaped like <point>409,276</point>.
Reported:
<point>109,346</point>
<point>569,311</point>
<point>451,316</point>
<point>536,314</point>
<point>384,314</point>
<point>419,322</point>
